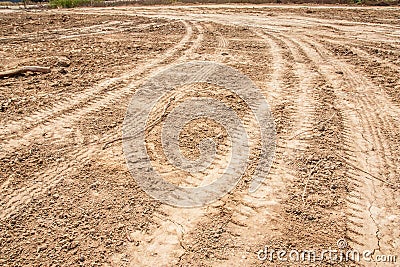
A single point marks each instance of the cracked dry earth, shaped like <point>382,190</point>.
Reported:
<point>330,75</point>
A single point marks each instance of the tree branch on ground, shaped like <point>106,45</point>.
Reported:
<point>19,71</point>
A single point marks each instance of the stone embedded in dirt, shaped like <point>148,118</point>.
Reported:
<point>62,71</point>
<point>63,62</point>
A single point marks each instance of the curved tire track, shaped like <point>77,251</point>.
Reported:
<point>62,115</point>
<point>45,180</point>
<point>369,204</point>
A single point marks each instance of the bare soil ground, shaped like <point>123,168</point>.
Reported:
<point>330,75</point>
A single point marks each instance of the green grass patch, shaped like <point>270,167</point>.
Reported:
<point>73,3</point>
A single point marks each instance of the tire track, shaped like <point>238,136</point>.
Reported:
<point>376,72</point>
<point>345,129</point>
<point>45,114</point>
<point>363,45</point>
<point>344,120</point>
<point>190,54</point>
<point>49,178</point>
<point>371,97</point>
<point>363,89</point>
<point>374,202</point>
<point>222,43</point>
<point>380,202</point>
<point>44,34</point>
<point>58,116</point>
<point>105,28</point>
<point>359,50</point>
<point>174,225</point>
<point>171,225</point>
<point>312,111</point>
<point>317,62</point>
<point>246,211</point>
<point>255,215</point>
<point>304,101</point>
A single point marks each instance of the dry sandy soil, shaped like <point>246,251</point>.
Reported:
<point>330,75</point>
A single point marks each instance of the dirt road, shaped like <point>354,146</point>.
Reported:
<point>330,75</point>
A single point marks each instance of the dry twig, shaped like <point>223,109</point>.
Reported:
<point>19,71</point>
